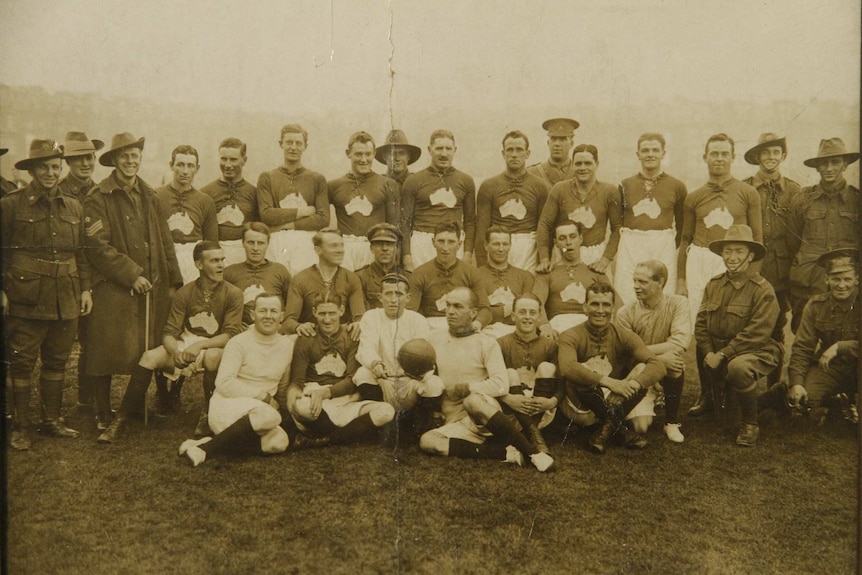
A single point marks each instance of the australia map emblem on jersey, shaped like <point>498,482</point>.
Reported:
<point>719,217</point>
<point>332,364</point>
<point>647,207</point>
<point>204,320</point>
<point>359,205</point>
<point>502,296</point>
<point>575,291</point>
<point>181,222</point>
<point>230,214</point>
<point>513,208</point>
<point>599,365</point>
<point>443,197</point>
<point>584,215</point>
<point>251,292</point>
<point>292,202</point>
<point>441,303</point>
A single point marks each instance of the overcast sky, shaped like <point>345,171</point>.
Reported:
<point>289,55</point>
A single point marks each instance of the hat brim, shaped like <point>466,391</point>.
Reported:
<point>4,151</point>
<point>97,144</point>
<point>752,156</point>
<point>756,247</point>
<point>414,152</point>
<point>824,259</point>
<point>107,159</point>
<point>849,157</point>
<point>28,163</point>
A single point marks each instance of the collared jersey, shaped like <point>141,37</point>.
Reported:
<point>364,201</point>
<point>309,282</point>
<point>431,282</point>
<point>564,289</point>
<point>191,214</point>
<point>235,205</point>
<point>517,352</point>
<point>710,210</point>
<point>380,337</point>
<point>431,197</point>
<point>653,203</point>
<point>670,321</point>
<point>253,363</point>
<point>503,286</point>
<point>205,314</point>
<point>280,193</point>
<point>326,360</point>
<point>253,280</point>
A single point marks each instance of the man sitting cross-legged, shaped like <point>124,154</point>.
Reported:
<point>474,374</point>
<point>322,399</point>
<point>251,385</point>
<point>204,315</point>
<point>383,332</point>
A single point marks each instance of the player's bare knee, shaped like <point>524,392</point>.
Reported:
<point>302,409</point>
<point>381,413</point>
<point>433,442</point>
<point>432,386</point>
<point>154,358</point>
<point>479,408</point>
<point>546,369</point>
<point>364,375</point>
<point>514,380</point>
<point>264,418</point>
<point>641,423</point>
<point>212,359</point>
<point>274,441</point>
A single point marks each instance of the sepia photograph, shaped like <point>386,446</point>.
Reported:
<point>398,287</point>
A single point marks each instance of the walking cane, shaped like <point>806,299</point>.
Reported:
<point>146,348</point>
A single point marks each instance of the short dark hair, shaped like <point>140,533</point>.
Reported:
<point>562,223</point>
<point>265,295</point>
<point>528,296</point>
<point>515,134</point>
<point>395,278</point>
<point>293,129</point>
<point>317,238</point>
<point>362,138</point>
<point>651,136</point>
<point>233,143</point>
<point>185,149</point>
<point>327,296</point>
<point>720,137</point>
<point>204,246</point>
<point>259,227</point>
<point>453,227</point>
<point>495,229</point>
<point>598,287</point>
<point>657,270</point>
<point>589,148</point>
<point>441,134</point>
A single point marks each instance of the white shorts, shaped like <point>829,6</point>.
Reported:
<point>524,253</point>
<point>637,246</point>
<point>701,266</point>
<point>565,321</point>
<point>341,410</point>
<point>357,252</point>
<point>293,249</point>
<point>186,339</point>
<point>498,330</point>
<point>592,254</point>
<point>186,260</point>
<point>225,411</point>
<point>402,393</point>
<point>645,407</point>
<point>233,252</point>
<point>422,248</point>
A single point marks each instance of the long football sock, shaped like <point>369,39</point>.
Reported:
<point>505,430</point>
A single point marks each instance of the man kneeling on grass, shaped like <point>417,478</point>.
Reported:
<point>204,315</point>
<point>608,370</point>
<point>251,384</point>
<point>474,374</point>
<point>322,398</point>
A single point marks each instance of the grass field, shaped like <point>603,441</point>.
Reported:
<point>787,506</point>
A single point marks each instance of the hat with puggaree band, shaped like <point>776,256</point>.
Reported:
<point>765,140</point>
<point>839,260</point>
<point>120,142</point>
<point>739,234</point>
<point>560,126</point>
<point>384,232</point>
<point>831,148</point>
<point>397,139</point>
<point>40,150</point>
<point>77,144</point>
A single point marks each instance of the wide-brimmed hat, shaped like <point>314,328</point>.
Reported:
<point>397,138</point>
<point>384,232</point>
<point>839,260</point>
<point>120,142</point>
<point>765,140</point>
<point>77,144</point>
<point>831,148</point>
<point>40,150</point>
<point>560,127</point>
<point>739,234</point>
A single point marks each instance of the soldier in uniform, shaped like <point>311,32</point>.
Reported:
<point>191,213</point>
<point>822,218</point>
<point>135,269</point>
<point>6,186</point>
<point>385,241</point>
<point>825,356</point>
<point>80,154</point>
<point>361,200</point>
<point>512,201</point>
<point>235,199</point>
<point>734,329</point>
<point>776,192</point>
<point>396,154</point>
<point>558,167</point>
<point>46,287</point>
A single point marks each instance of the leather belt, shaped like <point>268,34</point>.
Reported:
<point>50,268</point>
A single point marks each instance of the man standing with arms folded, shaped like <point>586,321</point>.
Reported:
<point>235,199</point>
<point>191,213</point>
<point>561,134</point>
<point>293,202</point>
<point>591,203</point>
<point>45,289</point>
<point>438,194</point>
<point>396,154</point>
<point>362,199</point>
<point>512,201</point>
<point>652,217</point>
<point>135,269</point>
